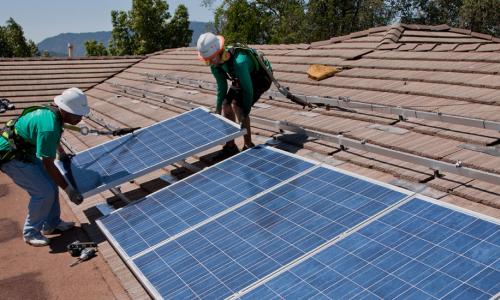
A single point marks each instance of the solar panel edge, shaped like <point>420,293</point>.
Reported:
<point>458,208</point>
<point>137,273</point>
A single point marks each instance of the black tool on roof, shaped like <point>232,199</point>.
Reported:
<point>76,248</point>
<point>114,132</point>
<point>86,254</point>
<point>6,105</point>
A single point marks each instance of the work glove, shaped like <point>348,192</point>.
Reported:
<point>73,195</point>
<point>63,156</point>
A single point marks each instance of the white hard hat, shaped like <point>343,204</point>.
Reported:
<point>74,101</point>
<point>209,45</point>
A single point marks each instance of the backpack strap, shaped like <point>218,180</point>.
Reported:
<point>18,146</point>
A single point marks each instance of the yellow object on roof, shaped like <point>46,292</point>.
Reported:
<point>320,72</point>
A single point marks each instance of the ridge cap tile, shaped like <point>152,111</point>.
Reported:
<point>460,30</point>
<point>441,27</point>
<point>481,35</point>
<point>359,34</point>
<point>378,29</point>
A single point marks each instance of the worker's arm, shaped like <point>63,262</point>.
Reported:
<point>60,149</point>
<point>242,68</point>
<point>53,171</point>
<point>221,80</point>
<point>48,143</point>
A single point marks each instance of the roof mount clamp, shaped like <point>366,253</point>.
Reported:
<point>117,191</point>
<point>437,174</point>
<point>345,98</point>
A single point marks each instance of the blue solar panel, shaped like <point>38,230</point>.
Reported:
<point>186,203</point>
<point>418,251</point>
<point>246,244</point>
<point>133,155</point>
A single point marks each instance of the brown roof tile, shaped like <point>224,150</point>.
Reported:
<point>481,36</point>
<point>425,47</point>
<point>467,47</point>
<point>406,47</point>
<point>445,47</point>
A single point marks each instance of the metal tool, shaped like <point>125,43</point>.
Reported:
<point>86,254</point>
<point>76,248</point>
<point>84,130</point>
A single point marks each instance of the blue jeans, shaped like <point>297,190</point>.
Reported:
<point>44,211</point>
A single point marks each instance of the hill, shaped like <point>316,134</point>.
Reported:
<point>58,45</point>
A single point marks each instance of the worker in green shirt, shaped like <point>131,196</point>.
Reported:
<point>27,151</point>
<point>248,82</point>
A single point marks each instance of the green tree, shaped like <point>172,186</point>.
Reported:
<point>178,28</point>
<point>145,28</point>
<point>241,21</point>
<point>269,21</point>
<point>13,43</point>
<point>328,18</point>
<point>481,16</point>
<point>93,48</point>
<point>5,48</point>
<point>148,21</point>
<point>121,42</point>
<point>286,19</point>
<point>428,12</point>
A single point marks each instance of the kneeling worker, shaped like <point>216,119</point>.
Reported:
<point>28,147</point>
<point>249,82</point>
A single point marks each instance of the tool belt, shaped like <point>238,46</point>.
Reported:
<point>19,148</point>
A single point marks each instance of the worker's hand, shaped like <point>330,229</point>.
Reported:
<point>65,156</point>
<point>73,195</point>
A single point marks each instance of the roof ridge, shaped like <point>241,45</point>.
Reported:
<point>445,27</point>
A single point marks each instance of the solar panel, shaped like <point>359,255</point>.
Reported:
<point>420,250</point>
<point>246,244</point>
<point>166,213</point>
<point>128,157</point>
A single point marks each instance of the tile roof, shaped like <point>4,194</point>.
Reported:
<point>426,68</point>
<point>33,81</point>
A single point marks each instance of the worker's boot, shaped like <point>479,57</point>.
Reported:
<point>62,226</point>
<point>251,145</point>
<point>228,150</point>
<point>37,240</point>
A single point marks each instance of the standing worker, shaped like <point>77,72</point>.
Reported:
<point>28,147</point>
<point>248,82</point>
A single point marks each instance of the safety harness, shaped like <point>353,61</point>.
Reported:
<point>261,63</point>
<point>20,148</point>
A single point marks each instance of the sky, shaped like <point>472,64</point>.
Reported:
<point>42,19</point>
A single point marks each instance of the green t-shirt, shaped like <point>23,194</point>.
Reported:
<point>243,66</point>
<point>41,129</point>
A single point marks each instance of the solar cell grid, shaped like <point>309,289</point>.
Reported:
<point>186,203</point>
<point>245,245</point>
<point>404,255</point>
<point>163,143</point>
